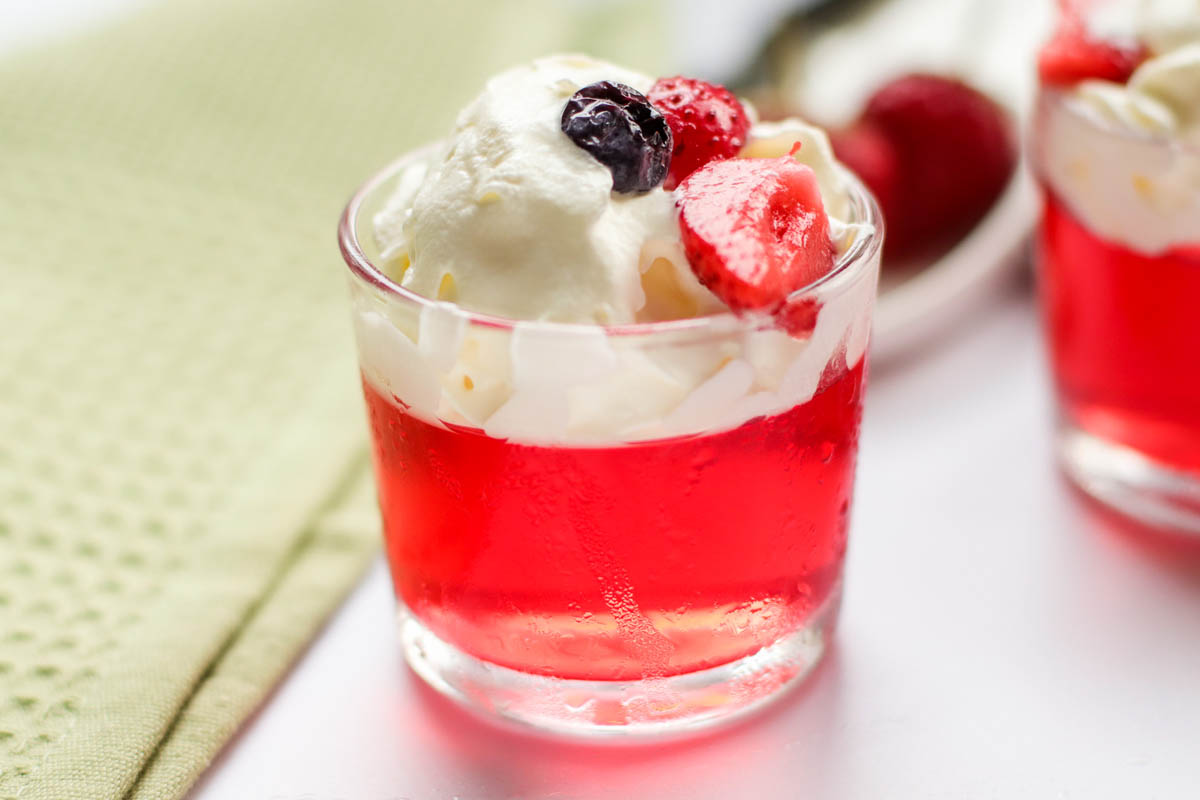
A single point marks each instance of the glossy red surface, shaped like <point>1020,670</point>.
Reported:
<point>1124,333</point>
<point>616,563</point>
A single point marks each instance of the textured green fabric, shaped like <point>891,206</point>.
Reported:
<point>183,484</point>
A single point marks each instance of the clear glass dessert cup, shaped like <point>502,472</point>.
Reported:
<point>618,530</point>
<point>1122,323</point>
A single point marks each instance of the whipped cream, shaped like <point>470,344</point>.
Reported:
<point>511,219</point>
<point>547,383</point>
<point>1135,178</point>
<point>1161,25</point>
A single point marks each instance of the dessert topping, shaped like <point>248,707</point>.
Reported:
<point>754,230</point>
<point>619,127</point>
<point>707,123</point>
<point>1073,54</point>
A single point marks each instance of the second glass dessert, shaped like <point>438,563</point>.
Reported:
<point>1117,147</point>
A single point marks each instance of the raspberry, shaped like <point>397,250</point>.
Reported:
<point>754,230</point>
<point>707,123</point>
<point>619,127</point>
<point>952,151</point>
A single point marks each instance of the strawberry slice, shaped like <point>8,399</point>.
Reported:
<point>707,123</point>
<point>755,230</point>
<point>1073,54</point>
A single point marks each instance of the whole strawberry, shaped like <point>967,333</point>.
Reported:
<point>707,123</point>
<point>937,152</point>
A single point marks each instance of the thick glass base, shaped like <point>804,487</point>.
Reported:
<point>1128,482</point>
<point>613,709</point>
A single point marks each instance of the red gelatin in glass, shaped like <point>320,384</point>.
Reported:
<point>1124,332</point>
<point>622,562</point>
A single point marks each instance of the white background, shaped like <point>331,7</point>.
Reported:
<point>1000,638</point>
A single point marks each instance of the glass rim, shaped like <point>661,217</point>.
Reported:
<point>861,254</point>
<point>1065,100</point>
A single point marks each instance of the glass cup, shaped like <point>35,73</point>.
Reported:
<point>1119,279</point>
<point>612,530</point>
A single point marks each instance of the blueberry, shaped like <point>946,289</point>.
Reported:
<point>620,129</point>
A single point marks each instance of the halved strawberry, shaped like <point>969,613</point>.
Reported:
<point>707,122</point>
<point>755,230</point>
<point>1073,54</point>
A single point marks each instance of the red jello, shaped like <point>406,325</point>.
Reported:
<point>1124,333</point>
<point>616,563</point>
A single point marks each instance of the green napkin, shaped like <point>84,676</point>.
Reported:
<point>184,490</point>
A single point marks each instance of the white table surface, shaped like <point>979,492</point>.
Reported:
<point>999,638</point>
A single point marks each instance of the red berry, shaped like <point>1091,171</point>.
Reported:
<point>1073,55</point>
<point>953,152</point>
<point>755,230</point>
<point>707,123</point>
